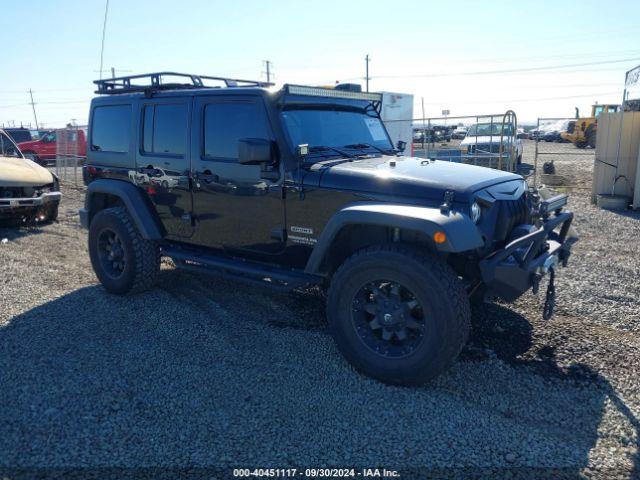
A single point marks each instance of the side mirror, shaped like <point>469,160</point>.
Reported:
<point>254,151</point>
<point>401,146</point>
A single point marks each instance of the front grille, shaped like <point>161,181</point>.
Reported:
<point>485,148</point>
<point>512,213</point>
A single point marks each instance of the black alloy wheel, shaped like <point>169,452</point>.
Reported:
<point>111,253</point>
<point>388,318</point>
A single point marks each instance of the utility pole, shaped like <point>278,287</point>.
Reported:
<point>33,106</point>
<point>267,67</point>
<point>113,72</point>
<point>366,61</point>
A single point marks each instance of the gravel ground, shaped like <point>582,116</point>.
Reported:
<point>206,373</point>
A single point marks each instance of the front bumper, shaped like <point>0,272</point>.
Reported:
<point>11,205</point>
<point>19,207</point>
<point>519,266</point>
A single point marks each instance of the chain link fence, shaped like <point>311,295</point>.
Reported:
<point>71,153</point>
<point>484,140</point>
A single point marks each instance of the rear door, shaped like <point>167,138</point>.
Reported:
<point>162,162</point>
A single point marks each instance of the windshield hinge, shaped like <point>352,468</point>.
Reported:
<point>448,201</point>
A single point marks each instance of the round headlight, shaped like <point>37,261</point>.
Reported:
<point>476,212</point>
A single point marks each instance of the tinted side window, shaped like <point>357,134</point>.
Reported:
<point>165,128</point>
<point>7,148</point>
<point>226,123</point>
<point>110,128</point>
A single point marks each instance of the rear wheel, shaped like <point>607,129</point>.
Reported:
<point>591,139</point>
<point>124,262</point>
<point>397,314</point>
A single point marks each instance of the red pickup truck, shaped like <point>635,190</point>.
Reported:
<point>72,142</point>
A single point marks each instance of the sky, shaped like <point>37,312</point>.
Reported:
<point>540,59</point>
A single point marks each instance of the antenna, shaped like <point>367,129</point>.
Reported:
<point>267,69</point>
<point>104,30</point>
<point>366,61</point>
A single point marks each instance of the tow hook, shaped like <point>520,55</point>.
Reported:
<point>550,299</point>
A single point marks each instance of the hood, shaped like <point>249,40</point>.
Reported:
<point>410,177</point>
<point>20,172</point>
<point>483,139</point>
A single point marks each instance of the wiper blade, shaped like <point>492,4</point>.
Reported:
<point>324,148</point>
<point>367,145</point>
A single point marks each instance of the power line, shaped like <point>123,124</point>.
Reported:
<point>568,97</point>
<point>510,70</point>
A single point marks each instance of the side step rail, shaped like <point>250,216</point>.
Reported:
<point>243,270</point>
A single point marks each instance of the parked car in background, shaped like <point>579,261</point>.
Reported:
<point>459,133</point>
<point>538,133</point>
<point>46,148</point>
<point>552,135</point>
<point>522,135</point>
<point>555,131</point>
<point>19,134</point>
<point>27,190</point>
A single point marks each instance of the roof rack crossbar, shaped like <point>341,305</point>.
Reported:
<point>118,85</point>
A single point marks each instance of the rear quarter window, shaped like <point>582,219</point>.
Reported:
<point>111,128</point>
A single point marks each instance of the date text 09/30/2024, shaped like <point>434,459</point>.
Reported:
<point>316,472</point>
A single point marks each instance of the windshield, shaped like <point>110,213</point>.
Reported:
<point>7,147</point>
<point>335,129</point>
<point>482,129</point>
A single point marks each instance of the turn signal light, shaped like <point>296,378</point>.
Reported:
<point>439,237</point>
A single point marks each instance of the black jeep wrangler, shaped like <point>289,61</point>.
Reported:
<point>302,186</point>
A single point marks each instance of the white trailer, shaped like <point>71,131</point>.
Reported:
<point>397,115</point>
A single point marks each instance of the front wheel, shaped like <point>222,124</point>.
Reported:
<point>397,314</point>
<point>123,260</point>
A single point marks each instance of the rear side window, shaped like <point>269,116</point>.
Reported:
<point>164,129</point>
<point>111,128</point>
<point>226,123</point>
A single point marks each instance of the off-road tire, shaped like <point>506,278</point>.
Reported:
<point>435,284</point>
<point>142,256</point>
<point>591,139</point>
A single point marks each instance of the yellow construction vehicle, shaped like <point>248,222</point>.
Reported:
<point>582,131</point>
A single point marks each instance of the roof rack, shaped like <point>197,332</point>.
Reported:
<point>119,85</point>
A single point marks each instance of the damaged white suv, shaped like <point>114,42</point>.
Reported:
<point>28,191</point>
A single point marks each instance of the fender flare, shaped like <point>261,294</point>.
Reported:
<point>461,233</point>
<point>134,200</point>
